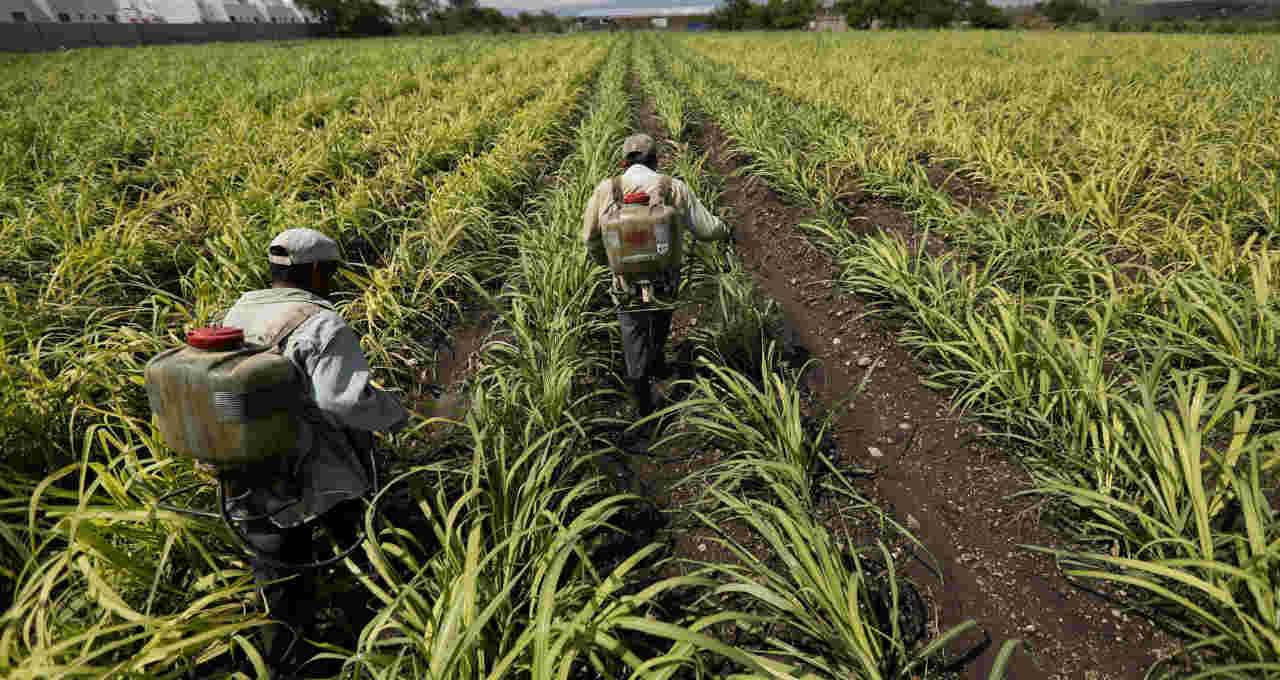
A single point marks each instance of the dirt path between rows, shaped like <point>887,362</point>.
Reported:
<point>456,365</point>
<point>932,474</point>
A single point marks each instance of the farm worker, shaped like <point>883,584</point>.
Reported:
<point>643,298</point>
<point>340,408</point>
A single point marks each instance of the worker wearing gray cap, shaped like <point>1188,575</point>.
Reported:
<point>340,408</point>
<point>634,223</point>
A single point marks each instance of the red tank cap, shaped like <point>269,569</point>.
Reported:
<point>216,338</point>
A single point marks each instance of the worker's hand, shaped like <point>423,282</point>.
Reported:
<point>204,468</point>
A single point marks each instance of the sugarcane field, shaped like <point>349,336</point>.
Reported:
<point>887,355</point>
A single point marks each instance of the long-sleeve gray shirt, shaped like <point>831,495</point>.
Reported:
<point>337,396</point>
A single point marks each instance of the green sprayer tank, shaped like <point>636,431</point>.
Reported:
<point>222,401</point>
<point>638,234</point>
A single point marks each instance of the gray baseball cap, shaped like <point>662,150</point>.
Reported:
<point>641,144</point>
<point>302,246</point>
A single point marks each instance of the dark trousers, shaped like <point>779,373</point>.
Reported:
<point>644,339</point>
<point>289,593</point>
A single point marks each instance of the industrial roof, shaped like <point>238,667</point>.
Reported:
<point>35,10</point>
<point>95,8</point>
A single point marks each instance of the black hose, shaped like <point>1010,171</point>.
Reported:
<point>969,656</point>
<point>245,544</point>
<point>160,502</point>
<point>242,539</point>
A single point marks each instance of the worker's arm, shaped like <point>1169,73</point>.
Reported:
<point>704,225</point>
<point>591,236</point>
<point>340,379</point>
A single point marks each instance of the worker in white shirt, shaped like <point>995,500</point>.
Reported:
<point>340,408</point>
<point>634,223</point>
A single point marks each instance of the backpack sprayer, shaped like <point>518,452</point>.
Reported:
<point>643,245</point>
<point>233,406</point>
<point>640,239</point>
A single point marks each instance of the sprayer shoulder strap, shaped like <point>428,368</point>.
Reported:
<point>616,185</point>
<point>664,190</point>
<point>290,322</point>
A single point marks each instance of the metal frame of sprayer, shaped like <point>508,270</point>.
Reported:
<point>242,539</point>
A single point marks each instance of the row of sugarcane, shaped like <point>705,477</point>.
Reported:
<point>1143,401</point>
<point>103,583</point>
<point>1162,146</point>
<point>104,291</point>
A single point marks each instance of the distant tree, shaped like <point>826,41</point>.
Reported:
<point>549,22</point>
<point>351,17</point>
<point>415,12</point>
<point>736,15</point>
<point>493,20</point>
<point>860,14</point>
<point>795,14</point>
<point>983,14</point>
<point>904,13</point>
<point>465,15</point>
<point>938,13</point>
<point>769,13</point>
<point>1063,12</point>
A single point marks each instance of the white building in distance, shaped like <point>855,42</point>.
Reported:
<point>153,11</point>
<point>22,11</point>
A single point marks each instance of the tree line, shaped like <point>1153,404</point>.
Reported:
<point>793,14</point>
<point>436,17</point>
<point>424,17</point>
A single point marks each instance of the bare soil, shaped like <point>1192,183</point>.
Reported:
<point>961,188</point>
<point>457,365</point>
<point>932,471</point>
